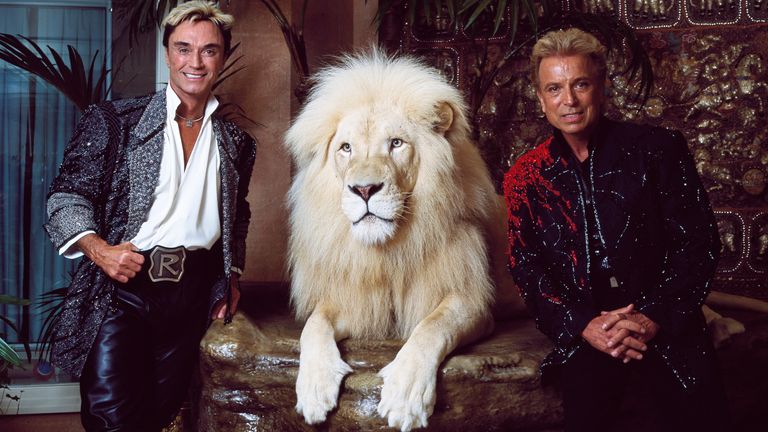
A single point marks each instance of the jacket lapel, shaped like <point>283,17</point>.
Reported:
<point>145,151</point>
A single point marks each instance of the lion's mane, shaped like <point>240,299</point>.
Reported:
<point>439,248</point>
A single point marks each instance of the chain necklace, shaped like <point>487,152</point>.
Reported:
<point>187,121</point>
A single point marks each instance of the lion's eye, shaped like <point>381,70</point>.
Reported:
<point>395,142</point>
<point>345,147</point>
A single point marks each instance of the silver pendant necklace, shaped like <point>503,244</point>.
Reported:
<point>187,121</point>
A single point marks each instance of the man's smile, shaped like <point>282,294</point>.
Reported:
<point>194,76</point>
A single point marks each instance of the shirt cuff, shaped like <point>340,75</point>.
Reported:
<point>69,250</point>
<point>237,270</point>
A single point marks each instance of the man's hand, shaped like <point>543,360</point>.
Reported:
<point>614,334</point>
<point>119,262</point>
<point>625,336</point>
<point>220,309</point>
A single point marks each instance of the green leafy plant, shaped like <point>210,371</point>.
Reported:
<point>83,87</point>
<point>50,305</point>
<point>541,16</point>
<point>230,110</point>
<point>142,15</point>
<point>462,13</point>
<point>8,356</point>
<point>293,35</point>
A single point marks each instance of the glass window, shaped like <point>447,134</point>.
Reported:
<point>36,121</point>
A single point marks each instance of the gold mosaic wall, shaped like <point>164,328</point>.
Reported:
<point>711,75</point>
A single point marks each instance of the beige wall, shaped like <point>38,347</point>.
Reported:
<point>265,92</point>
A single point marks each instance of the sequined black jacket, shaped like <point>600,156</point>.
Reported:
<point>655,224</point>
<point>106,183</point>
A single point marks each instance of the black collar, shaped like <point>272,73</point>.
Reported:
<point>560,147</point>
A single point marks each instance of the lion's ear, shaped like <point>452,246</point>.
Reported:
<point>444,118</point>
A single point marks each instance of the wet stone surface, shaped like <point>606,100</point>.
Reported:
<point>248,371</point>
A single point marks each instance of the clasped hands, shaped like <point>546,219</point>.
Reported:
<point>621,333</point>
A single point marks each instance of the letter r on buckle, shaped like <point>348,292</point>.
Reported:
<point>167,264</point>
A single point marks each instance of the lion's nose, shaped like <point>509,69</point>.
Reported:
<point>367,191</point>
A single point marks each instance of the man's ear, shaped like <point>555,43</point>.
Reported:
<point>444,117</point>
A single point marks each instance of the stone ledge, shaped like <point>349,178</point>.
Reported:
<point>248,373</point>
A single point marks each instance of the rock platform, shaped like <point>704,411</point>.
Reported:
<point>249,368</point>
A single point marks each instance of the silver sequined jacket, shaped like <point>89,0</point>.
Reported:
<point>106,183</point>
<point>653,225</point>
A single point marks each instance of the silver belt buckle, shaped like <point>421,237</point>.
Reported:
<point>167,264</point>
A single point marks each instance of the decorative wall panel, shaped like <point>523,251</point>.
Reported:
<point>711,77</point>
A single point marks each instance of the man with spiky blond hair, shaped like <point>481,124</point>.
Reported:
<point>613,244</point>
<point>152,191</point>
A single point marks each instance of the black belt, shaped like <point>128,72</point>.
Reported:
<point>172,264</point>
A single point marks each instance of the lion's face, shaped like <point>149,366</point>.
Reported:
<point>377,162</point>
<point>386,174</point>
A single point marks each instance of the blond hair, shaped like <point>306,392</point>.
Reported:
<point>565,43</point>
<point>199,11</point>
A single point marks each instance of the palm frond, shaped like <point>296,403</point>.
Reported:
<point>50,305</point>
<point>227,71</point>
<point>533,17</point>
<point>229,110</point>
<point>13,300</point>
<point>8,354</point>
<point>461,12</point>
<point>543,15</point>
<point>233,112</point>
<point>514,19</point>
<point>500,9</point>
<point>70,79</point>
<point>142,15</point>
<point>479,7</point>
<point>9,323</point>
<point>293,35</point>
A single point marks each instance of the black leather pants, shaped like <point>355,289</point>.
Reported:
<point>138,372</point>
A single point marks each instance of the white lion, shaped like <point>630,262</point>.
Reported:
<point>390,207</point>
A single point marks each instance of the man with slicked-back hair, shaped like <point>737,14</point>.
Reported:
<point>152,191</point>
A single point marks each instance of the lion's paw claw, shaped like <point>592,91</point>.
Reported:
<point>407,398</point>
<point>317,389</point>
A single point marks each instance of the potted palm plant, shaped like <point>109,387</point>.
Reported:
<point>8,356</point>
<point>83,84</point>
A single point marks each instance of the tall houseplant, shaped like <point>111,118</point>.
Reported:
<point>82,85</point>
<point>8,356</point>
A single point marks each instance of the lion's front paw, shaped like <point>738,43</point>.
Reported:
<point>408,394</point>
<point>317,387</point>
